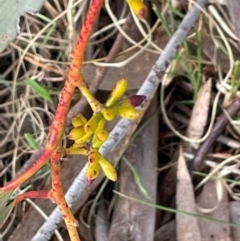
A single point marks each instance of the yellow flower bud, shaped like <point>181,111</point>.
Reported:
<point>130,102</point>
<point>119,89</point>
<point>102,135</point>
<point>108,169</point>
<point>129,113</point>
<point>108,113</point>
<point>75,151</point>
<point>126,107</point>
<point>83,139</point>
<point>96,143</point>
<point>101,125</point>
<point>77,145</point>
<point>94,156</point>
<point>99,138</point>
<point>78,120</point>
<point>92,124</point>
<point>76,133</point>
<point>138,7</point>
<point>92,172</point>
<point>124,103</point>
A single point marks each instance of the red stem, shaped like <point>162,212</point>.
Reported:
<point>26,175</point>
<point>58,195</point>
<point>43,194</point>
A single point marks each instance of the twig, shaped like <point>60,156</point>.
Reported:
<point>218,128</point>
<point>148,89</point>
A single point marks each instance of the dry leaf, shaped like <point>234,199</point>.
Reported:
<point>199,114</point>
<point>187,226</point>
<point>234,209</point>
<point>207,200</point>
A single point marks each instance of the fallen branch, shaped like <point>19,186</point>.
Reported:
<point>218,128</point>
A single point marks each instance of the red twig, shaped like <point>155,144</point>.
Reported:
<point>58,196</point>
<point>42,194</point>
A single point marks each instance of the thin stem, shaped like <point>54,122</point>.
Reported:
<point>43,194</point>
<point>58,195</point>
<point>26,175</point>
<point>93,102</point>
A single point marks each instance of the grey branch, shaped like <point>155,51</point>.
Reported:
<point>148,89</point>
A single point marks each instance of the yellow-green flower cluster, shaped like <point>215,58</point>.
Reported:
<point>89,135</point>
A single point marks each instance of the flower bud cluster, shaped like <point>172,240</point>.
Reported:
<point>89,135</point>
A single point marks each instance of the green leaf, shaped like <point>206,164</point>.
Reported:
<point>39,89</point>
<point>31,141</point>
<point>4,197</point>
<point>10,11</point>
<point>5,212</point>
